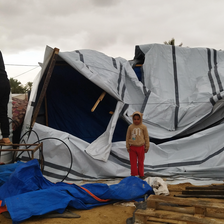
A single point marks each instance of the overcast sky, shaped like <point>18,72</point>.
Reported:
<point>113,27</point>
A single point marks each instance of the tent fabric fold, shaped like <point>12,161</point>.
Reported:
<point>185,85</point>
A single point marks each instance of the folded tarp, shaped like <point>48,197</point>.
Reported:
<point>28,193</point>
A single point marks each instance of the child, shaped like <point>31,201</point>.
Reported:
<point>137,143</point>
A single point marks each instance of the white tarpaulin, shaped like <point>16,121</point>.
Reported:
<point>198,156</point>
<point>180,93</point>
<point>186,88</point>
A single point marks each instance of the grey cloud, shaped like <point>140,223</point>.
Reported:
<point>113,27</point>
<point>104,3</point>
<point>102,24</point>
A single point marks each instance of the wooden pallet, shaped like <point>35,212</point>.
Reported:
<point>165,209</point>
<point>214,191</point>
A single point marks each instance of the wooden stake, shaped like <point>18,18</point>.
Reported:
<point>98,101</point>
<point>46,111</point>
<point>45,85</point>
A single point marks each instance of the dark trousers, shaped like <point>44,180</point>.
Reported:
<point>4,99</point>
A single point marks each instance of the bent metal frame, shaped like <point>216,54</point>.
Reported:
<point>29,148</point>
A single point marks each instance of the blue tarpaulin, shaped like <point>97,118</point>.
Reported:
<point>28,193</point>
<point>6,170</point>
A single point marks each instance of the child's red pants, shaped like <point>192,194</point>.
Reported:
<point>137,156</point>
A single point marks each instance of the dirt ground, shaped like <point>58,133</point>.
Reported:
<point>107,214</point>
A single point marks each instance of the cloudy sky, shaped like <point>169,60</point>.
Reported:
<point>113,27</point>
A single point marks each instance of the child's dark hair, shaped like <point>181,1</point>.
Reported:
<point>137,115</point>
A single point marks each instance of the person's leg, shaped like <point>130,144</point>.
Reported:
<point>4,99</point>
<point>141,158</point>
<point>133,161</point>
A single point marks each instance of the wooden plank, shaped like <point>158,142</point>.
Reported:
<point>41,157</point>
<point>98,101</point>
<point>192,202</point>
<point>200,211</point>
<point>32,150</point>
<point>158,220</point>
<point>140,219</point>
<point>199,196</point>
<point>215,215</point>
<point>204,192</point>
<point>152,222</point>
<point>213,187</point>
<point>46,110</point>
<point>17,150</point>
<point>45,85</point>
<point>152,204</point>
<point>186,210</point>
<point>191,210</point>
<point>171,217</point>
<point>23,144</point>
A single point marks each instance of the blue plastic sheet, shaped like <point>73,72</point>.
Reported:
<point>28,193</point>
<point>6,171</point>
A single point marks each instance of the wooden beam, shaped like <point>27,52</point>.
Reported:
<point>199,196</point>
<point>152,222</point>
<point>196,207</point>
<point>192,202</point>
<point>172,208</point>
<point>212,187</point>
<point>45,85</point>
<point>98,101</point>
<point>165,221</point>
<point>46,111</point>
<point>200,211</point>
<point>27,149</point>
<point>204,192</point>
<point>173,217</point>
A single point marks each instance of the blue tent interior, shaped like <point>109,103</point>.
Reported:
<point>70,97</point>
<point>138,72</point>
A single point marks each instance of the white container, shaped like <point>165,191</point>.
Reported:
<point>6,157</point>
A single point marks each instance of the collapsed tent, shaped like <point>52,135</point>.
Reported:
<point>81,102</point>
<point>186,88</point>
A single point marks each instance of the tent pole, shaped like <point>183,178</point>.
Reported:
<point>98,101</point>
<point>45,85</point>
<point>46,111</point>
